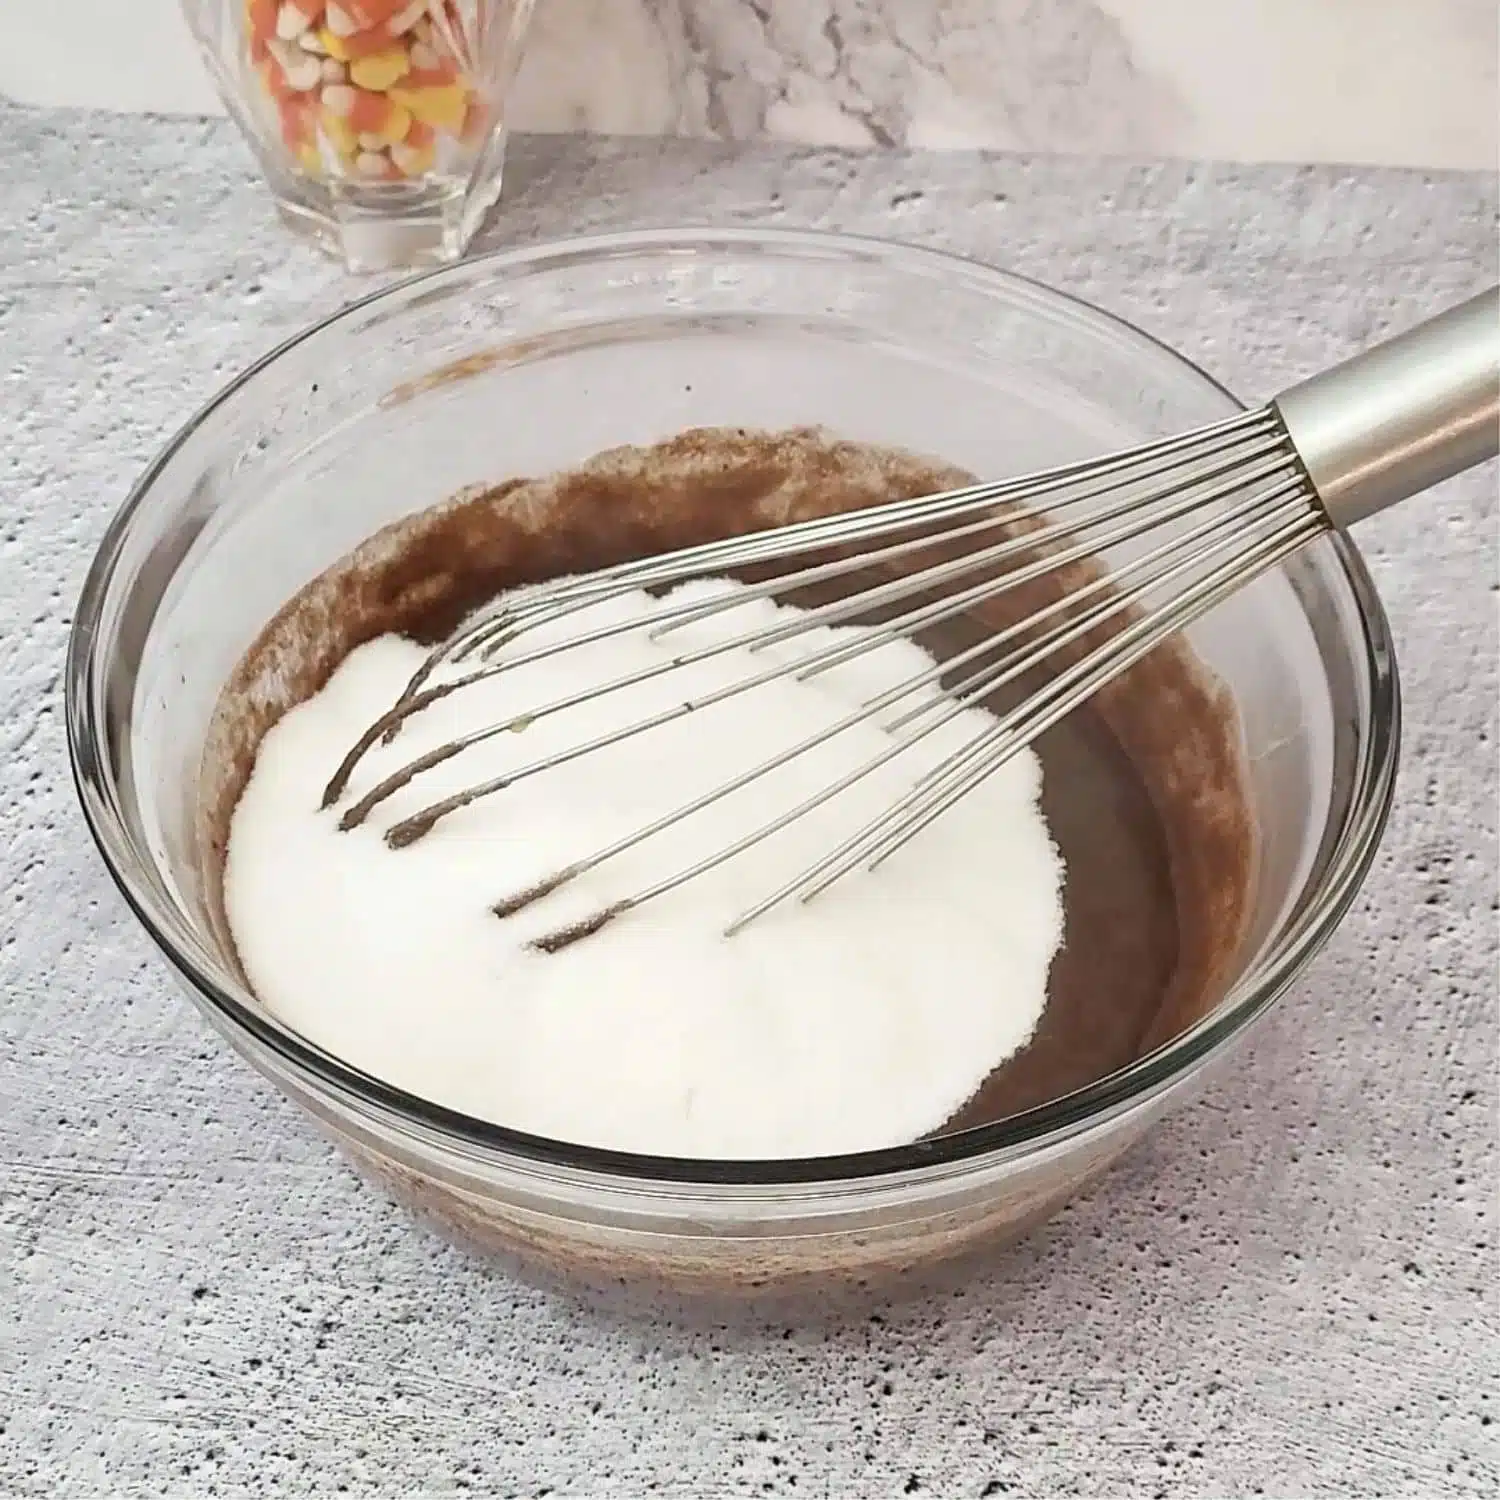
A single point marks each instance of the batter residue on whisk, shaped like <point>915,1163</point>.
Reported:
<point>866,1018</point>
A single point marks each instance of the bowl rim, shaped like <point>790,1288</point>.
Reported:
<point>1039,1126</point>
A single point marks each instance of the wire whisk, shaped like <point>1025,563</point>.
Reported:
<point>1192,519</point>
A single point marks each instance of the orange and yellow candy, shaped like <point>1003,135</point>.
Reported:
<point>371,81</point>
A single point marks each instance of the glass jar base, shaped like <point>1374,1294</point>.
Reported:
<point>368,237</point>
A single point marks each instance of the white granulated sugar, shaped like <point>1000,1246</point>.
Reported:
<point>862,1019</point>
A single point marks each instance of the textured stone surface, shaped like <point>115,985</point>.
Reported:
<point>1290,1291</point>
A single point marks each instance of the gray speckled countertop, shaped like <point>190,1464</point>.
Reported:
<point>1290,1291</point>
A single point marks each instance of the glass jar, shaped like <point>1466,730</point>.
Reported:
<point>379,124</point>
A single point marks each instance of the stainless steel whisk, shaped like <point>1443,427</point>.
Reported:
<point>1212,509</point>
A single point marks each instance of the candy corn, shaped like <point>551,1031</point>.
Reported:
<point>372,79</point>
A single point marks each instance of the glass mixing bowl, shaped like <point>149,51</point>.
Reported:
<point>524,362</point>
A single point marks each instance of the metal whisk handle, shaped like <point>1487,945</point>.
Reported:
<point>1402,416</point>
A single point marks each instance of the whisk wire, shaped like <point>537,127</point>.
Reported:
<point>879,840</point>
<point>858,603</point>
<point>1020,727</point>
<point>988,680</point>
<point>1284,502</point>
<point>1227,502</point>
<point>1256,429</point>
<point>1247,436</point>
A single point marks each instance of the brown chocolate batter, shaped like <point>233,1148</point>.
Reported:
<point>1143,788</point>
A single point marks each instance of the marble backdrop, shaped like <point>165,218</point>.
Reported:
<point>1397,82</point>
<point>1400,82</point>
<point>930,73</point>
